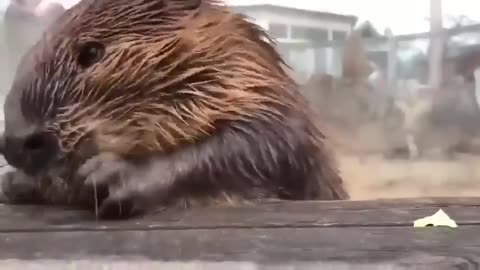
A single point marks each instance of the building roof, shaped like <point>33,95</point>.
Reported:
<point>242,8</point>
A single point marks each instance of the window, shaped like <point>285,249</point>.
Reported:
<point>309,33</point>
<point>277,30</point>
<point>339,35</point>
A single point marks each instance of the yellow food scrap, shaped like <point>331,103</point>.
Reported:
<point>437,219</point>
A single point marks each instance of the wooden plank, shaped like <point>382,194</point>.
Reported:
<point>374,234</point>
<point>273,214</point>
<point>374,246</point>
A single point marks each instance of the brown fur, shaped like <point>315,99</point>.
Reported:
<point>188,84</point>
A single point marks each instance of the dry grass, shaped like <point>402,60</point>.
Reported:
<point>371,177</point>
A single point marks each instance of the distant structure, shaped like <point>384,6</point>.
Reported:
<point>377,54</point>
<point>298,30</point>
<point>22,25</point>
<point>367,30</point>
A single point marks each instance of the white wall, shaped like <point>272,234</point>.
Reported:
<point>286,17</point>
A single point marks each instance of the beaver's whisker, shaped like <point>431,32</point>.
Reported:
<point>120,207</point>
<point>95,196</point>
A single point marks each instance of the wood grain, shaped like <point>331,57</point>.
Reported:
<point>376,234</point>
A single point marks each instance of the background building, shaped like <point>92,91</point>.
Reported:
<point>297,32</point>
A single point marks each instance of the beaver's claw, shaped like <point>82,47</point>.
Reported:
<point>126,185</point>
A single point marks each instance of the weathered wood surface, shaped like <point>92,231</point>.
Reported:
<point>375,234</point>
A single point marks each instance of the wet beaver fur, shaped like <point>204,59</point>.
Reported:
<point>134,105</point>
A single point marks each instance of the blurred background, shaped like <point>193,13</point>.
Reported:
<point>396,84</point>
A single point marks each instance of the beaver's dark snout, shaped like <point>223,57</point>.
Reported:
<point>30,152</point>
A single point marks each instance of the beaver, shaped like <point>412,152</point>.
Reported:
<point>132,106</point>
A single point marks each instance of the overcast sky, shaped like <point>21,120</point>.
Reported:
<point>402,16</point>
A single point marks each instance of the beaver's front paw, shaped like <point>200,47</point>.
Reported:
<point>125,182</point>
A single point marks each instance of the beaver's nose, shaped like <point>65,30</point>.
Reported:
<point>30,152</point>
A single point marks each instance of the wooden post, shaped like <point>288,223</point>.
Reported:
<point>329,55</point>
<point>392,60</point>
<point>436,43</point>
<point>476,75</point>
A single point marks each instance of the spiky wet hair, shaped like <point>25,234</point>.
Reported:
<point>150,75</point>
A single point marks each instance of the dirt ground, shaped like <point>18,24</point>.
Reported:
<point>372,176</point>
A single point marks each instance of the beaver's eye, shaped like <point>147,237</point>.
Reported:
<point>90,53</point>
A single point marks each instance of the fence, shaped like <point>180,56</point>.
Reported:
<point>401,57</point>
